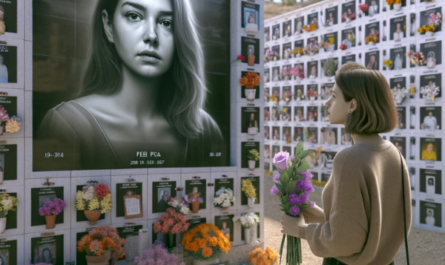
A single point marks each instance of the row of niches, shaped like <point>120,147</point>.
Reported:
<point>119,199</point>
<point>314,21</point>
<point>427,150</point>
<point>424,119</point>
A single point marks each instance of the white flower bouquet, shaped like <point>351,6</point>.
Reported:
<point>179,204</point>
<point>248,220</point>
<point>224,198</point>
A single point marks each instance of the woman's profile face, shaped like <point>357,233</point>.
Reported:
<point>142,32</point>
<point>337,107</point>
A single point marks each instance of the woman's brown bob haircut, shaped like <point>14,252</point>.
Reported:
<point>376,111</point>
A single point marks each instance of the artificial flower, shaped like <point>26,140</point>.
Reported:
<point>12,126</point>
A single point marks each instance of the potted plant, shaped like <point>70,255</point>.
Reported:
<point>157,255</point>
<point>397,4</point>
<point>50,210</point>
<point>250,192</point>
<point>102,244</point>
<point>252,157</point>
<point>93,200</point>
<point>171,223</point>
<point>194,198</point>
<point>249,81</point>
<point>260,257</point>
<point>205,243</point>
<point>7,203</point>
<point>224,198</point>
<point>247,221</point>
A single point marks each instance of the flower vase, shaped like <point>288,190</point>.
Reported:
<point>170,244</point>
<point>248,235</point>
<point>195,207</point>
<point>397,7</point>
<point>225,208</point>
<point>92,216</point>
<point>250,202</point>
<point>429,33</point>
<point>98,260</point>
<point>2,225</point>
<point>50,221</point>
<point>250,60</point>
<point>203,262</point>
<point>252,131</point>
<point>250,94</point>
<point>312,98</point>
<point>252,165</point>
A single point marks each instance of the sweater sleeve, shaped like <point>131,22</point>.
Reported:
<point>314,215</point>
<point>345,231</point>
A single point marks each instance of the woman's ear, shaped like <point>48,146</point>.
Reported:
<point>107,26</point>
<point>353,105</point>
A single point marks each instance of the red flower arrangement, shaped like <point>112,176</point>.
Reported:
<point>102,190</point>
<point>364,8</point>
<point>343,47</point>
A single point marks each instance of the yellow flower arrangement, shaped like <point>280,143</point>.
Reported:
<point>426,28</point>
<point>12,126</point>
<point>260,257</point>
<point>388,63</point>
<point>205,242</point>
<point>248,188</point>
<point>7,203</point>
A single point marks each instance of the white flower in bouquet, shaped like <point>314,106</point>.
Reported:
<point>184,210</point>
<point>226,203</point>
<point>89,193</point>
<point>174,203</point>
<point>247,220</point>
<point>7,204</point>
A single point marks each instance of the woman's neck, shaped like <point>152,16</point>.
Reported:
<point>371,139</point>
<point>138,96</point>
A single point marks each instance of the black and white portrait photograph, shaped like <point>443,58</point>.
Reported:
<point>401,122</point>
<point>48,250</point>
<point>161,192</point>
<point>311,135</point>
<point>431,181</point>
<point>287,29</point>
<point>398,58</point>
<point>287,49</point>
<point>430,86</point>
<point>431,213</point>
<point>312,69</point>
<point>8,17</point>
<point>299,114</point>
<point>430,149</point>
<point>432,16</point>
<point>276,32</point>
<point>373,7</point>
<point>372,60</point>
<point>137,94</point>
<point>329,135</point>
<point>312,114</point>
<point>397,28</point>
<point>276,133</point>
<point>348,12</point>
<point>8,63</point>
<point>298,26</point>
<point>298,134</point>
<point>266,34</point>
<point>432,51</point>
<point>331,16</point>
<point>348,37</point>
<point>276,74</point>
<point>348,58</point>
<point>250,120</point>
<point>313,19</point>
<point>399,143</point>
<point>431,118</point>
<point>250,17</point>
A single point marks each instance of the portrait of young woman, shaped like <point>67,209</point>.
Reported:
<point>362,216</point>
<point>143,98</point>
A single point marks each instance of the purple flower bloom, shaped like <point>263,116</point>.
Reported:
<point>304,185</point>
<point>281,161</point>
<point>274,190</point>
<point>294,210</point>
<point>295,199</point>
<point>52,207</point>
<point>277,177</point>
<point>307,175</point>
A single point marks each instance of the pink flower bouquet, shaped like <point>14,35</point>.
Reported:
<point>172,222</point>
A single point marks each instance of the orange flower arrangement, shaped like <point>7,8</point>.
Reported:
<point>260,257</point>
<point>371,38</point>
<point>311,27</point>
<point>250,80</point>
<point>205,242</point>
<point>100,240</point>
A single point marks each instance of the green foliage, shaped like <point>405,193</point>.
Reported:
<point>304,165</point>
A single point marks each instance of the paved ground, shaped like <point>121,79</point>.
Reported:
<point>425,247</point>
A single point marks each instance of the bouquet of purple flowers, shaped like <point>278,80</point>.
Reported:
<point>52,207</point>
<point>293,186</point>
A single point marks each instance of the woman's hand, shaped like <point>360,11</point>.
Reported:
<point>314,215</point>
<point>291,225</point>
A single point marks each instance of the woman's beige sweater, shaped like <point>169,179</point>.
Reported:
<point>362,202</point>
